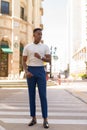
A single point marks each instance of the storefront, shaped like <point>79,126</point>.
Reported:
<point>18,18</point>
<point>4,58</point>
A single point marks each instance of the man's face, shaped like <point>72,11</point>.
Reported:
<point>38,36</point>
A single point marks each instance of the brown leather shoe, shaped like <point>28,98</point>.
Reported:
<point>33,122</point>
<point>45,124</point>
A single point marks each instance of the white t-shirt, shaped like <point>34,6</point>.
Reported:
<point>29,51</point>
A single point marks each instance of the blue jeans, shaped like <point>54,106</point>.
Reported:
<point>39,78</point>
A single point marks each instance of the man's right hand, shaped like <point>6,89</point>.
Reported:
<point>28,74</point>
<point>37,55</point>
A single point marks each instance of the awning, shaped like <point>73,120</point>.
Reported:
<point>21,49</point>
<point>7,50</point>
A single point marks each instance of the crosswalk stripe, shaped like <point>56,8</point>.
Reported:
<point>2,128</point>
<point>51,121</point>
<point>57,104</point>
<point>50,113</point>
<point>38,108</point>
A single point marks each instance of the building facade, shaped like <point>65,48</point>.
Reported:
<point>18,18</point>
<point>77,35</point>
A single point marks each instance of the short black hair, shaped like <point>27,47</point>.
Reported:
<point>36,29</point>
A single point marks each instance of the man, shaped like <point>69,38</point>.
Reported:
<point>35,55</point>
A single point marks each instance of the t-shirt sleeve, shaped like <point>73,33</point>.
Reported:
<point>25,52</point>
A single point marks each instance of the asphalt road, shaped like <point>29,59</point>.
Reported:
<point>67,107</point>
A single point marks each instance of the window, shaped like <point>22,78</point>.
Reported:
<point>4,7</point>
<point>22,13</point>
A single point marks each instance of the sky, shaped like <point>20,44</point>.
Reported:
<point>55,21</point>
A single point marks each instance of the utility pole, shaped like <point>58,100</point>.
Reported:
<point>51,62</point>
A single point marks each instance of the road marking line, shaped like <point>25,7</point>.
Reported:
<point>38,108</point>
<point>56,105</point>
<point>2,128</point>
<point>74,114</point>
<point>51,121</point>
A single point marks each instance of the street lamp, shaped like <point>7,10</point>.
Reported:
<point>53,56</point>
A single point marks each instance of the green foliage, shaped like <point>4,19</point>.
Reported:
<point>80,75</point>
<point>73,75</point>
<point>84,76</point>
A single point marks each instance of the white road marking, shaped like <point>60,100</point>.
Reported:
<point>50,113</point>
<point>38,108</point>
<point>51,121</point>
<point>2,128</point>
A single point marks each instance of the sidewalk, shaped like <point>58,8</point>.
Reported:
<point>79,90</point>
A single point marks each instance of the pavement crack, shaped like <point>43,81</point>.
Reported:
<point>79,98</point>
